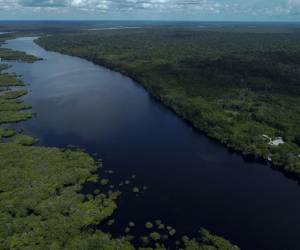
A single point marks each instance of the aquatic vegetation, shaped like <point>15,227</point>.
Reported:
<point>97,191</point>
<point>127,230</point>
<point>6,133</point>
<point>25,140</point>
<point>7,80</point>
<point>234,86</point>
<point>40,186</point>
<point>172,232</point>
<point>149,225</point>
<point>131,224</point>
<point>158,222</point>
<point>165,237</point>
<point>210,241</point>
<point>104,182</point>
<point>144,240</point>
<point>12,105</point>
<point>136,190</point>
<point>155,236</point>
<point>14,116</point>
<point>111,222</point>
<point>14,94</point>
<point>57,176</point>
<point>12,55</point>
<point>4,66</point>
<point>93,179</point>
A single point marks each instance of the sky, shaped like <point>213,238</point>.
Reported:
<point>190,10</point>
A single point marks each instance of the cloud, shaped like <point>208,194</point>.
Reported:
<point>195,7</point>
<point>8,4</point>
<point>205,5</point>
<point>90,4</point>
<point>294,6</point>
<point>43,3</point>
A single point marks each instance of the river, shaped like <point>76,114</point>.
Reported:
<point>192,181</point>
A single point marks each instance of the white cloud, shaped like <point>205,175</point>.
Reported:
<point>8,4</point>
<point>294,6</point>
<point>89,4</point>
<point>207,7</point>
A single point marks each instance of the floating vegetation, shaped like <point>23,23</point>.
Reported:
<point>9,107</point>
<point>131,224</point>
<point>13,55</point>
<point>144,240</point>
<point>208,241</point>
<point>149,225</point>
<point>12,105</point>
<point>34,179</point>
<point>4,66</point>
<point>97,191</point>
<point>136,190</point>
<point>92,178</point>
<point>155,236</point>
<point>111,222</point>
<point>10,80</point>
<point>158,222</point>
<point>104,182</point>
<point>6,133</point>
<point>14,116</point>
<point>14,94</point>
<point>165,237</point>
<point>172,232</point>
<point>25,140</point>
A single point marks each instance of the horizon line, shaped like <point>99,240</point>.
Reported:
<point>148,20</point>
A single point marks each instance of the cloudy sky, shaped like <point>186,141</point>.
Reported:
<point>256,10</point>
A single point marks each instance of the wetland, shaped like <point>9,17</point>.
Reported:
<point>192,181</point>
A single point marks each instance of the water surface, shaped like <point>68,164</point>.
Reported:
<point>192,181</point>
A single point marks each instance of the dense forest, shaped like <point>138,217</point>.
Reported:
<point>239,87</point>
<point>41,201</point>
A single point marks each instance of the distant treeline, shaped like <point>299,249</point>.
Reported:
<point>235,86</point>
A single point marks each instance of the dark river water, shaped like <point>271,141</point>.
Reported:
<point>192,181</point>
